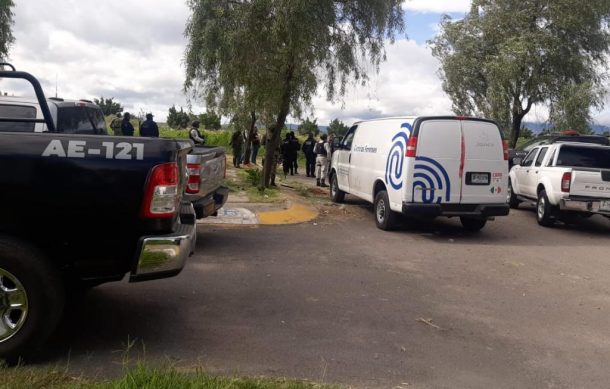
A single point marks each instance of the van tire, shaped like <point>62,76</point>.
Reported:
<point>472,224</point>
<point>544,210</point>
<point>513,201</point>
<point>26,270</point>
<point>336,194</point>
<point>385,218</point>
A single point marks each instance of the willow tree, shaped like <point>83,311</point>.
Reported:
<point>506,56</point>
<point>6,24</point>
<point>276,53</point>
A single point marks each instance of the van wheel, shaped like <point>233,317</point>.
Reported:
<point>31,299</point>
<point>544,210</point>
<point>385,218</point>
<point>513,202</point>
<point>473,224</point>
<point>336,194</point>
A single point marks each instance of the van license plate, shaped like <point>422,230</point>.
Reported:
<point>604,205</point>
<point>479,178</point>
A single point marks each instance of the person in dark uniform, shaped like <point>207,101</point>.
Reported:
<point>310,156</point>
<point>149,128</point>
<point>294,156</point>
<point>237,143</point>
<point>195,135</point>
<point>286,151</point>
<point>126,126</point>
<point>256,144</point>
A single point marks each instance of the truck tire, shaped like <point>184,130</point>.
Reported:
<point>513,202</point>
<point>31,299</point>
<point>336,194</point>
<point>544,210</point>
<point>385,218</point>
<point>472,224</point>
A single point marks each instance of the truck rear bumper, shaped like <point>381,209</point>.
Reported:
<point>165,255</point>
<point>474,210</point>
<point>209,205</point>
<point>585,205</point>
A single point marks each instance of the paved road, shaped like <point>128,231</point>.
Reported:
<point>429,306</point>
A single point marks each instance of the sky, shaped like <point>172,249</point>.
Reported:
<point>132,50</point>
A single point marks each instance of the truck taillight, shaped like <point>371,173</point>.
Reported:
<point>566,181</point>
<point>411,147</point>
<point>505,148</point>
<point>161,198</point>
<point>194,182</point>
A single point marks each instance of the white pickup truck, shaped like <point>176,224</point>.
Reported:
<point>565,181</point>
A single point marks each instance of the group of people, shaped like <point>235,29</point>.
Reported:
<point>238,140</point>
<point>317,153</point>
<point>121,126</point>
<point>317,156</point>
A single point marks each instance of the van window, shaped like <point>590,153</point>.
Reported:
<point>439,139</point>
<point>349,138</point>
<point>541,156</point>
<point>529,159</point>
<point>17,111</point>
<point>589,157</point>
<point>80,120</point>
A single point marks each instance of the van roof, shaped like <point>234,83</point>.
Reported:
<point>444,117</point>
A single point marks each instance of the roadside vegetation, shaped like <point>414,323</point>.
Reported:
<point>142,377</point>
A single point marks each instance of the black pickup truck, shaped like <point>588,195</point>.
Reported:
<point>80,210</point>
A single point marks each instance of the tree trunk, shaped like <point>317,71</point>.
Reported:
<point>275,130</point>
<point>515,131</point>
<point>249,140</point>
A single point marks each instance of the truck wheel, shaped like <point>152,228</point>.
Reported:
<point>385,218</point>
<point>513,202</point>
<point>544,210</point>
<point>336,194</point>
<point>472,224</point>
<point>31,299</point>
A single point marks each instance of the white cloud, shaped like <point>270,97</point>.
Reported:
<point>437,6</point>
<point>132,50</point>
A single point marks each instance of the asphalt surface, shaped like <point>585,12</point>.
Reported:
<point>338,301</point>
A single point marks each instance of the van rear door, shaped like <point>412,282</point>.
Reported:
<point>485,172</point>
<point>436,169</point>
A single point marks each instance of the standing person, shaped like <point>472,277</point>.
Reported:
<point>126,126</point>
<point>310,156</point>
<point>322,151</point>
<point>286,151</point>
<point>256,144</point>
<point>195,135</point>
<point>149,128</point>
<point>237,143</point>
<point>294,152</point>
<point>116,124</point>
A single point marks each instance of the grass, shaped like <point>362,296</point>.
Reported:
<point>142,377</point>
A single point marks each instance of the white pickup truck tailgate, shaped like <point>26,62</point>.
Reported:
<point>590,183</point>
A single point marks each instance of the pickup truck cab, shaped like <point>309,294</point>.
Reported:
<point>69,116</point>
<point>564,181</point>
<point>80,210</point>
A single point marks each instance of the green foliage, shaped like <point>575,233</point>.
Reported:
<point>571,110</point>
<point>109,106</point>
<point>337,128</point>
<point>6,25</point>
<point>210,120</point>
<point>505,56</point>
<point>526,133</point>
<point>178,119</point>
<point>269,56</point>
<point>254,176</point>
<point>309,127</point>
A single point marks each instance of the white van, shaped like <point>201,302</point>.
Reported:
<point>426,167</point>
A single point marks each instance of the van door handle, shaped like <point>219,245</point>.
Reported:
<point>350,158</point>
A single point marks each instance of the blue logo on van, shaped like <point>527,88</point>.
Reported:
<point>432,178</point>
<point>396,158</point>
